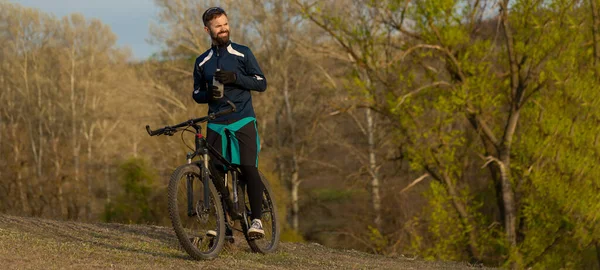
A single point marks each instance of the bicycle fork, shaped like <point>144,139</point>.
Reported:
<point>190,195</point>
<point>206,186</point>
<point>206,182</point>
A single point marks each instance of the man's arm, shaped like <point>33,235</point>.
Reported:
<point>200,94</point>
<point>254,78</point>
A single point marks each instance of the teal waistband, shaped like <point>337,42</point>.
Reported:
<point>234,156</point>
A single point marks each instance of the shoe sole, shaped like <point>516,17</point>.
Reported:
<point>254,234</point>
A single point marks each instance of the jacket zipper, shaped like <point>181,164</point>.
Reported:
<point>218,57</point>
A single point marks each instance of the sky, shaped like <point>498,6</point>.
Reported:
<point>128,19</point>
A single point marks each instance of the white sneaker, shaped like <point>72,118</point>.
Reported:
<point>256,229</point>
<point>211,233</point>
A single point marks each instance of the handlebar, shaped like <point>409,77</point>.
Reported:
<point>170,130</point>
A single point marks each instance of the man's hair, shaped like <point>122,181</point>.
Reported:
<point>211,13</point>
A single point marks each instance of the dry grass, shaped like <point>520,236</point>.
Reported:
<point>32,243</point>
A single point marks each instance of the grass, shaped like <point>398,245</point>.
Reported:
<point>33,243</point>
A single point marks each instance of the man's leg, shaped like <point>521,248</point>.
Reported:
<point>247,137</point>
<point>255,189</point>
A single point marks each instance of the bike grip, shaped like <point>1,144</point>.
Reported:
<point>150,132</point>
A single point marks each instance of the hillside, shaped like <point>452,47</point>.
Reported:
<point>32,243</point>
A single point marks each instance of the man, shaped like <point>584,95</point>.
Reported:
<point>235,67</point>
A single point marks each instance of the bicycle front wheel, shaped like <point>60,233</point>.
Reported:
<point>198,223</point>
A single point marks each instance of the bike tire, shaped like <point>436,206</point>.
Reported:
<point>193,239</point>
<point>269,218</point>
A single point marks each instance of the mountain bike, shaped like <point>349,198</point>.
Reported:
<point>201,208</point>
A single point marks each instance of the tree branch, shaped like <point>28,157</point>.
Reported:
<point>322,25</point>
<point>399,25</point>
<point>404,97</point>
<point>512,55</point>
<point>416,181</point>
<point>560,233</point>
<point>481,125</point>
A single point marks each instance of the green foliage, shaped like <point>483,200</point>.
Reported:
<point>444,226</point>
<point>554,150</point>
<point>377,239</point>
<point>134,204</point>
<point>562,201</point>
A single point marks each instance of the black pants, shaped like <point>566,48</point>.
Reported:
<point>247,137</point>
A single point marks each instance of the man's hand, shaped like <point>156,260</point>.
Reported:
<point>216,93</point>
<point>225,77</point>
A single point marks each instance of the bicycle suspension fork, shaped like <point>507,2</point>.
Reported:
<point>202,149</point>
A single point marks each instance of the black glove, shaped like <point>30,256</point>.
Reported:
<point>215,93</point>
<point>225,77</point>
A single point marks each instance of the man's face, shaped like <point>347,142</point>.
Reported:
<point>218,28</point>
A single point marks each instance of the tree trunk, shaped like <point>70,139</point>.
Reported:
<point>295,205</point>
<point>281,158</point>
<point>281,168</point>
<point>489,142</point>
<point>517,93</point>
<point>62,205</point>
<point>22,193</point>
<point>107,180</point>
<point>88,176</point>
<point>295,180</point>
<point>508,196</point>
<point>21,189</point>
<point>61,198</point>
<point>40,136</point>
<point>74,136</point>
<point>90,135</point>
<point>375,181</point>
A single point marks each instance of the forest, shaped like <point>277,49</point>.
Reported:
<point>454,130</point>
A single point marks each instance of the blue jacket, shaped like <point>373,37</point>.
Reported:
<point>233,57</point>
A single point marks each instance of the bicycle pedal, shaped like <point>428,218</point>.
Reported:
<point>230,239</point>
<point>195,240</point>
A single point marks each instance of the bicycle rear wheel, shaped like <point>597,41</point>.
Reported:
<point>200,229</point>
<point>269,219</point>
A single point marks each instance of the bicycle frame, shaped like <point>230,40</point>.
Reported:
<point>203,149</point>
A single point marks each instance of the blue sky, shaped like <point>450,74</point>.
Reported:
<point>129,19</point>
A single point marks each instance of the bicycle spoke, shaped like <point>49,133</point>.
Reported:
<point>196,222</point>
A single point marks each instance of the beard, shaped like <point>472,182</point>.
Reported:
<point>218,39</point>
